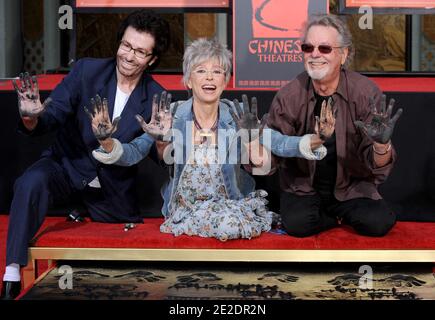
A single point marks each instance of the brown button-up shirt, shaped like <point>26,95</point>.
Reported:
<point>291,114</point>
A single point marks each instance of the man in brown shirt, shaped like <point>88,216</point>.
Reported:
<point>342,187</point>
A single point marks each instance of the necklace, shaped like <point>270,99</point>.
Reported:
<point>205,135</point>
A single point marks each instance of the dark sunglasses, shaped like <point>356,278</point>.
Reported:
<point>323,48</point>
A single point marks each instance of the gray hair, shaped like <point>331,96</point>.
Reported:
<point>202,50</point>
<point>339,24</point>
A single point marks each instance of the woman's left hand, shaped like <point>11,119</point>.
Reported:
<point>247,118</point>
<point>325,124</point>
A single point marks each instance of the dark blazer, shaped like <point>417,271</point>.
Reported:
<point>75,140</point>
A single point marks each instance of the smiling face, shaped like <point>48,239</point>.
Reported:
<point>324,66</point>
<point>207,81</point>
<point>128,64</point>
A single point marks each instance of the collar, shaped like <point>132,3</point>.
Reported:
<point>184,112</point>
<point>341,89</point>
<point>140,91</point>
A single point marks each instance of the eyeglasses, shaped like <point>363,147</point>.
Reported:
<point>202,72</point>
<point>125,46</point>
<point>323,48</point>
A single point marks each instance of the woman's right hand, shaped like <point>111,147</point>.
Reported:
<point>161,117</point>
<point>102,126</point>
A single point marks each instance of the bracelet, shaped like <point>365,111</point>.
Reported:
<point>382,154</point>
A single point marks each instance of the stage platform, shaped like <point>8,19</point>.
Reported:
<point>62,240</point>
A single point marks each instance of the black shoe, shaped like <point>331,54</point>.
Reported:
<point>10,290</point>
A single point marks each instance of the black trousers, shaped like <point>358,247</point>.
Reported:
<point>303,216</point>
<point>41,186</point>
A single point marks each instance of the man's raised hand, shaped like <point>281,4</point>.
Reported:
<point>381,127</point>
<point>29,103</point>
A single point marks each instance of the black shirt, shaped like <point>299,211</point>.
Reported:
<point>326,169</point>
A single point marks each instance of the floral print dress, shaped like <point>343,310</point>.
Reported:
<point>200,205</point>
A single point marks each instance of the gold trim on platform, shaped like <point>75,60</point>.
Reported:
<point>220,255</point>
<point>232,255</point>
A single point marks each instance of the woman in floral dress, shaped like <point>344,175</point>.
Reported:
<point>208,195</point>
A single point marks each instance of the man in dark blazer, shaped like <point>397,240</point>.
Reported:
<point>68,167</point>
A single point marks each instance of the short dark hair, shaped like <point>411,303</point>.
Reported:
<point>149,22</point>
